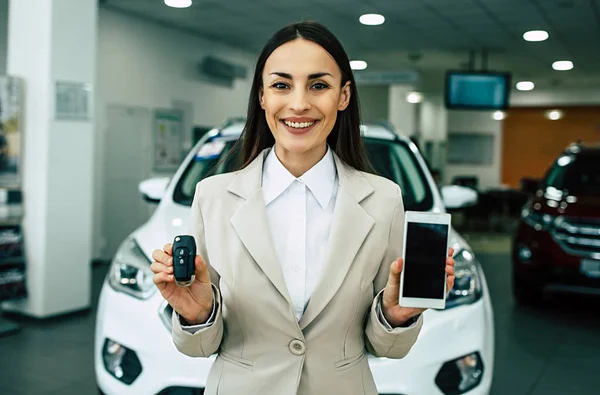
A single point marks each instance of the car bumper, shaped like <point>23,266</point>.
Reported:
<point>136,325</point>
<point>547,264</point>
<point>445,337</point>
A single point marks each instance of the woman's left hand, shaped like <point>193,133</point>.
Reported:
<point>395,314</point>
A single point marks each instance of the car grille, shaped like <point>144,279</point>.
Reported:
<point>165,312</point>
<point>578,237</point>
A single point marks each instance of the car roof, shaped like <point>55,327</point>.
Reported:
<point>371,130</point>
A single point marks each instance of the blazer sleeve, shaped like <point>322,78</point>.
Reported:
<point>381,342</point>
<point>205,341</point>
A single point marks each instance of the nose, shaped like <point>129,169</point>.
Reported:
<point>300,101</point>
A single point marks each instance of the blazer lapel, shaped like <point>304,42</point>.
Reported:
<point>251,224</point>
<point>349,229</point>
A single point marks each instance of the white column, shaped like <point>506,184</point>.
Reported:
<point>52,41</point>
<point>402,114</point>
<point>434,129</point>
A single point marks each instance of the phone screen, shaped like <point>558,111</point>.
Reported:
<point>425,260</point>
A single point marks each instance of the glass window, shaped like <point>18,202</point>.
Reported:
<point>391,159</point>
<point>577,174</point>
<point>395,161</point>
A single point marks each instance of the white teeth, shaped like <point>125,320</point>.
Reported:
<point>299,125</point>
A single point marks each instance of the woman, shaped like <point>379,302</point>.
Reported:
<point>298,270</point>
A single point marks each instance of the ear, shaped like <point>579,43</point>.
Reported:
<point>261,99</point>
<point>344,97</point>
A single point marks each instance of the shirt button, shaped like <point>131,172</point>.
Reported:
<point>297,347</point>
<point>296,268</point>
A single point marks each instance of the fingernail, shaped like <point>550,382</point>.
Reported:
<point>170,276</point>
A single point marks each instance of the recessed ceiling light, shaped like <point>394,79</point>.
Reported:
<point>525,85</point>
<point>371,19</point>
<point>414,97</point>
<point>178,3</point>
<point>562,65</point>
<point>554,115</point>
<point>358,64</point>
<point>498,115</point>
<point>535,35</point>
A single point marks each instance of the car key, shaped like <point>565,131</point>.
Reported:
<point>184,255</point>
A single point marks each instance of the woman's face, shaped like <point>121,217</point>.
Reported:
<point>301,95</point>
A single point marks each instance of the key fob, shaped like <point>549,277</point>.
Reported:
<point>184,254</point>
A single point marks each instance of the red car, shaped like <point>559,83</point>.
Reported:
<point>557,243</point>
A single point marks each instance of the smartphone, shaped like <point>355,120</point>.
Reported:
<point>425,249</point>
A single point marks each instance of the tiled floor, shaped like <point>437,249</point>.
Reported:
<point>51,357</point>
<point>554,350</point>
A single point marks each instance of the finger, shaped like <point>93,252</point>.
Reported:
<point>392,289</point>
<point>450,282</point>
<point>202,274</point>
<point>162,280</point>
<point>395,270</point>
<point>449,270</point>
<point>450,252</point>
<point>168,248</point>
<point>158,267</point>
<point>162,257</point>
<point>450,262</point>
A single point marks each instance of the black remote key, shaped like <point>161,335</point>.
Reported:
<point>184,254</point>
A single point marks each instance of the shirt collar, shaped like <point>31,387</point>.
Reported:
<point>320,179</point>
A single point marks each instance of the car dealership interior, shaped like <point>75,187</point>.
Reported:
<point>112,112</point>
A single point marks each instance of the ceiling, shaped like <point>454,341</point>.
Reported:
<point>429,36</point>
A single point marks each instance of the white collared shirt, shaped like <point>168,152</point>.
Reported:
<point>300,214</point>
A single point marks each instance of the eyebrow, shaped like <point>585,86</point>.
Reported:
<point>310,76</point>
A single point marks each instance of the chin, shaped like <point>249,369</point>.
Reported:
<point>296,147</point>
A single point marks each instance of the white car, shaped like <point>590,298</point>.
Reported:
<point>134,353</point>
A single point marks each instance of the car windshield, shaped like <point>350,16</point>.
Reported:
<point>391,159</point>
<point>577,174</point>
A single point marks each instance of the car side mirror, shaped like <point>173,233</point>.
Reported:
<point>153,189</point>
<point>530,185</point>
<point>457,197</point>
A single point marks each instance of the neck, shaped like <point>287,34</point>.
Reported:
<point>300,163</point>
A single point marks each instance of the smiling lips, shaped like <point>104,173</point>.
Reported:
<point>299,123</point>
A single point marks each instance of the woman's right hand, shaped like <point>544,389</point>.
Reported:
<point>193,303</point>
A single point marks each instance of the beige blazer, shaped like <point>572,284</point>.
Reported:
<point>262,348</point>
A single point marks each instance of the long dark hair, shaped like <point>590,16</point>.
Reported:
<point>344,139</point>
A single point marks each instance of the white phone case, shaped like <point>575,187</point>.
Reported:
<point>430,218</point>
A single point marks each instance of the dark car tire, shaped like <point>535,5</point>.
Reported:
<point>526,292</point>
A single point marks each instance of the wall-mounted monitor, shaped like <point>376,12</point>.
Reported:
<point>476,90</point>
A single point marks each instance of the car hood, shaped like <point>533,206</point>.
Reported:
<point>169,220</point>
<point>582,206</point>
<point>172,219</point>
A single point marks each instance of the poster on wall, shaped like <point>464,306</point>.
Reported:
<point>11,111</point>
<point>167,139</point>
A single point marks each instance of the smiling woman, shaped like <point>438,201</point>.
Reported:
<point>300,244</point>
<point>303,95</point>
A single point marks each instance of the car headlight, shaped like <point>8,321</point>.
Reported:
<point>537,220</point>
<point>467,282</point>
<point>130,271</point>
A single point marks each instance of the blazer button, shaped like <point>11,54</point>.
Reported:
<point>297,347</point>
